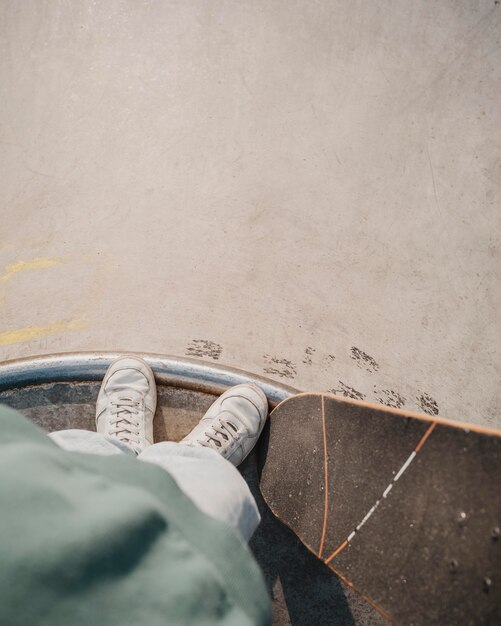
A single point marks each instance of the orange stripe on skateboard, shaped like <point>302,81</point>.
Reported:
<point>337,551</point>
<point>326,478</point>
<point>408,461</point>
<point>425,437</point>
<point>376,606</point>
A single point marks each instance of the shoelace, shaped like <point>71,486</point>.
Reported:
<point>126,425</point>
<point>219,435</point>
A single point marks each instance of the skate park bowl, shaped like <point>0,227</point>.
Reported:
<point>59,391</point>
<point>304,194</point>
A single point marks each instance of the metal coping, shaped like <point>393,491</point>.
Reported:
<point>171,371</point>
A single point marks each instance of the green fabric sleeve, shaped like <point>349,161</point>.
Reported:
<point>88,539</point>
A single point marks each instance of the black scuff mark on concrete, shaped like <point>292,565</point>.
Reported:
<point>389,397</point>
<point>347,391</point>
<point>279,367</point>
<point>363,360</point>
<point>308,353</point>
<point>331,358</point>
<point>204,348</point>
<point>427,404</point>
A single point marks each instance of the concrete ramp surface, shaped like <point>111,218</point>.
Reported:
<point>305,190</point>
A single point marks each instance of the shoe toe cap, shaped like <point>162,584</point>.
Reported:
<point>250,393</point>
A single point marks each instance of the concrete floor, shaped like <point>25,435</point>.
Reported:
<point>309,190</point>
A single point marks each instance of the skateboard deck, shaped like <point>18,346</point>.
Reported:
<point>404,508</point>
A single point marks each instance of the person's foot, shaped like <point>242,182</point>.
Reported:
<point>126,403</point>
<point>232,424</point>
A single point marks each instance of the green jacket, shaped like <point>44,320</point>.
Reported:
<point>97,540</point>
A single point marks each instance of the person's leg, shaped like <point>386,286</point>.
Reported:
<point>203,463</point>
<point>212,483</point>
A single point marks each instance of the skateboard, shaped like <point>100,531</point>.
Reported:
<point>404,508</point>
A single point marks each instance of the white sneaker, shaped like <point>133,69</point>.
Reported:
<point>126,403</point>
<point>232,424</point>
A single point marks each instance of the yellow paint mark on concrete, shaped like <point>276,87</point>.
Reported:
<point>29,333</point>
<point>33,264</point>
